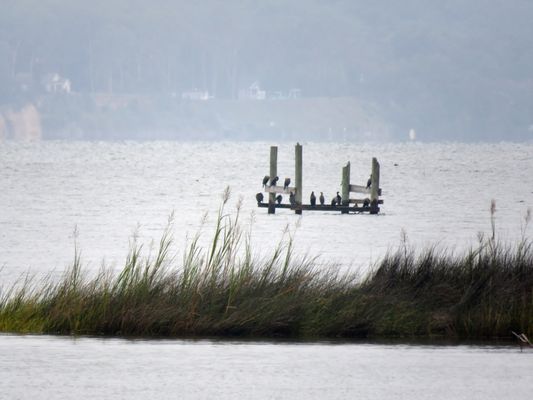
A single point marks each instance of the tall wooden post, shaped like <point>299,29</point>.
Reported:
<point>374,189</point>
<point>346,186</point>
<point>298,157</point>
<point>273,174</point>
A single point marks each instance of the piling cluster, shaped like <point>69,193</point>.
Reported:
<point>338,202</point>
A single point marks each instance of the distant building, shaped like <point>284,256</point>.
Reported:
<point>291,94</point>
<point>277,95</point>
<point>254,92</point>
<point>294,93</point>
<point>54,83</point>
<point>196,94</point>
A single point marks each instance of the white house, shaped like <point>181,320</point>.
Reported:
<point>254,92</point>
<point>54,83</point>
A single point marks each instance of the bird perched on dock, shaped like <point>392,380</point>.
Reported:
<point>259,197</point>
<point>334,202</point>
<point>265,180</point>
<point>322,199</point>
<point>274,181</point>
<point>369,182</point>
<point>292,199</point>
<point>279,198</point>
<point>312,199</point>
<point>286,183</point>
<point>366,203</point>
<point>338,199</point>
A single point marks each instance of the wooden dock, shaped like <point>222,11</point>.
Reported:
<point>319,207</point>
<point>368,204</point>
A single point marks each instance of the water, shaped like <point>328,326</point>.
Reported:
<point>34,367</point>
<point>434,193</point>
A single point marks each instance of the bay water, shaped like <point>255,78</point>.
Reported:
<point>103,195</point>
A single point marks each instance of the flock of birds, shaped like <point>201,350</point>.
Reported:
<point>336,200</point>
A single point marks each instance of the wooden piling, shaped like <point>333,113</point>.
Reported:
<point>295,193</point>
<point>346,186</point>
<point>298,157</point>
<point>374,189</point>
<point>273,173</point>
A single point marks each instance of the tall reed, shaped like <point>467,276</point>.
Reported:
<point>225,290</point>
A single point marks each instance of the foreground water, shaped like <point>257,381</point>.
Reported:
<point>45,367</point>
<point>434,194</point>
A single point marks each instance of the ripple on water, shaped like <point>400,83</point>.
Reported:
<point>437,193</point>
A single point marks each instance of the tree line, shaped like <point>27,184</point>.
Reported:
<point>445,68</point>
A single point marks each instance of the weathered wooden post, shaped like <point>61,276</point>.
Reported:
<point>374,189</point>
<point>346,187</point>
<point>273,174</point>
<point>298,157</point>
<point>295,192</point>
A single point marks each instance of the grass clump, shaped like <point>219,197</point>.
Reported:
<point>226,291</point>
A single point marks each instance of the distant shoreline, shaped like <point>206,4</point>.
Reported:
<point>142,117</point>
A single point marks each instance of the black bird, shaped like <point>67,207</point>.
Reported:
<point>366,203</point>
<point>338,199</point>
<point>259,197</point>
<point>333,202</point>
<point>279,198</point>
<point>312,199</point>
<point>322,199</point>
<point>265,180</point>
<point>286,183</point>
<point>292,199</point>
<point>369,182</point>
<point>274,181</point>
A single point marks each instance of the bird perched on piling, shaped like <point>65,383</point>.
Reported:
<point>274,181</point>
<point>338,199</point>
<point>292,199</point>
<point>279,198</point>
<point>259,197</point>
<point>312,199</point>
<point>322,199</point>
<point>369,182</point>
<point>286,183</point>
<point>265,180</point>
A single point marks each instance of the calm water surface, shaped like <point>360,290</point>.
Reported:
<point>33,367</point>
<point>434,193</point>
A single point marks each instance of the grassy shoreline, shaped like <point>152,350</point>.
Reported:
<point>226,291</point>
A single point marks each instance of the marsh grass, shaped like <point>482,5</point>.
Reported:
<point>224,290</point>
